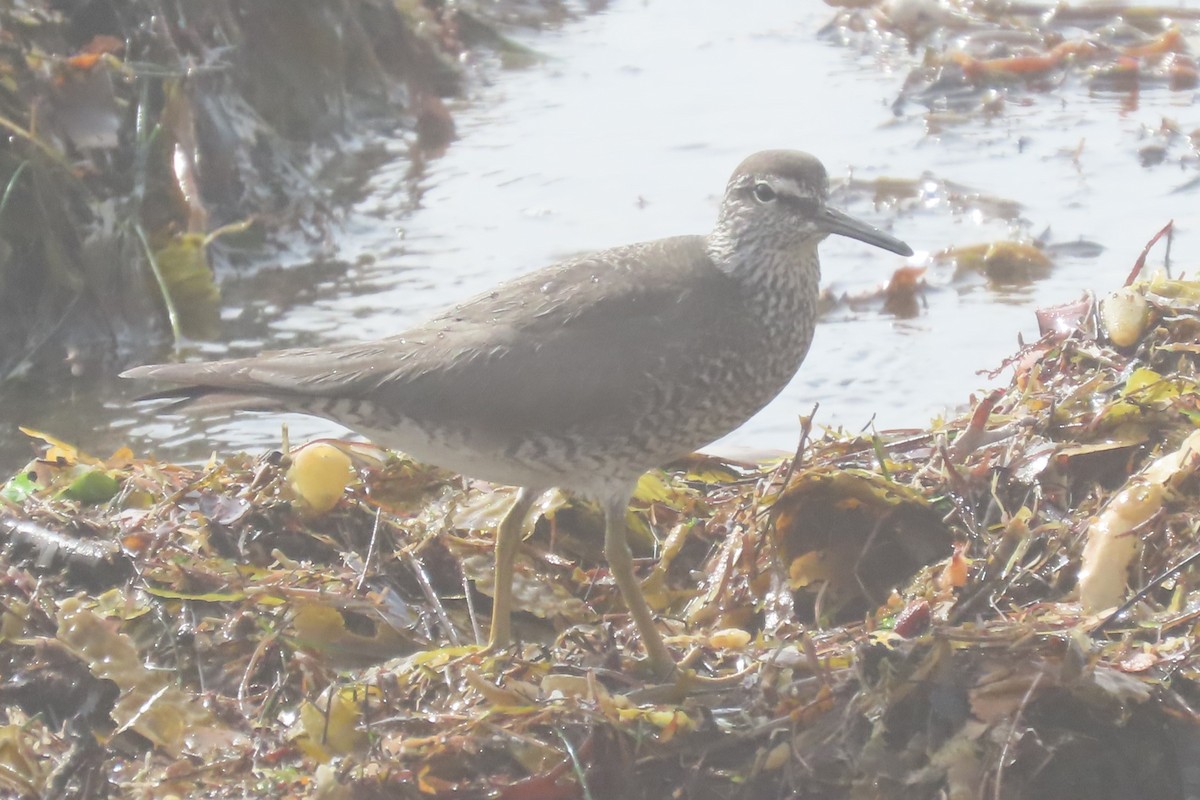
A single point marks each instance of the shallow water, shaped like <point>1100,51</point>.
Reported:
<point>627,130</point>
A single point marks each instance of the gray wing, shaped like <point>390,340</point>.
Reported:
<point>578,343</point>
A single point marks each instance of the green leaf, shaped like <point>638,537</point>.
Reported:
<point>93,486</point>
<point>19,487</point>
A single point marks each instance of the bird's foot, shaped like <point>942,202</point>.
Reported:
<point>679,679</point>
<point>477,654</point>
<point>684,682</point>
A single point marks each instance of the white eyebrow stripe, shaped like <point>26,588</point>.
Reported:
<point>792,187</point>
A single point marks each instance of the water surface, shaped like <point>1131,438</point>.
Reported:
<point>627,130</point>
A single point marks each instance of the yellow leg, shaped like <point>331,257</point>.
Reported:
<point>508,538</point>
<point>620,561</point>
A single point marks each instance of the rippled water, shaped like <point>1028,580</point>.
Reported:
<point>628,130</point>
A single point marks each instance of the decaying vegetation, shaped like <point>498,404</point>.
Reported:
<point>888,616</point>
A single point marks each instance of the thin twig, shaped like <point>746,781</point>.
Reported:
<point>1141,259</point>
<point>431,597</point>
<point>580,775</point>
<point>164,290</point>
<point>1012,730</point>
<point>371,550</point>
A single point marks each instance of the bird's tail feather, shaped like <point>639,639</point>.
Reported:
<point>206,400</point>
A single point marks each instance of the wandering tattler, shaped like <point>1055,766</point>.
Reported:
<point>582,375</point>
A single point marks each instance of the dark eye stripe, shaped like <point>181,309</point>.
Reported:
<point>806,205</point>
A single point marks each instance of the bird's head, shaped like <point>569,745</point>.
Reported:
<point>775,208</point>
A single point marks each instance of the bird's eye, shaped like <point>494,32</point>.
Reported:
<point>763,192</point>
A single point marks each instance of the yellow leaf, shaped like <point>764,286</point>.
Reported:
<point>330,728</point>
<point>652,487</point>
<point>188,279</point>
<point>60,449</point>
<point>729,638</point>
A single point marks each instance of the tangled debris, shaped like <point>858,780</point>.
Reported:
<point>976,56</point>
<point>887,616</point>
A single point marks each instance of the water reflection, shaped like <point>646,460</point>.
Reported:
<point>627,131</point>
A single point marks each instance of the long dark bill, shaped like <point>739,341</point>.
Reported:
<point>845,225</point>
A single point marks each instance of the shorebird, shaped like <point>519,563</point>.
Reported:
<point>582,375</point>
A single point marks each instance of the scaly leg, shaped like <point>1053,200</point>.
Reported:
<point>620,562</point>
<point>508,538</point>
